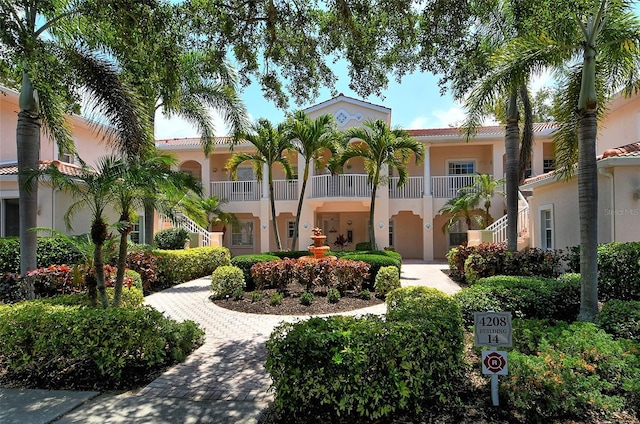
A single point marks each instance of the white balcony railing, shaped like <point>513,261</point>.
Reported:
<point>412,189</point>
<point>285,189</point>
<point>344,185</point>
<point>237,191</point>
<point>447,187</point>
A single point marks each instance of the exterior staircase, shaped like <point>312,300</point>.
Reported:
<point>199,235</point>
<point>499,227</point>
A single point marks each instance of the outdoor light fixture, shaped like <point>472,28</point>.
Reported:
<point>380,225</point>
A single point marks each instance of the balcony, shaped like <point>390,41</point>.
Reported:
<point>342,185</point>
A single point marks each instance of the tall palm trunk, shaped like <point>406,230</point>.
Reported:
<point>98,236</point>
<point>588,189</point>
<point>274,218</point>
<point>28,147</point>
<point>305,177</point>
<point>372,212</point>
<point>122,259</point>
<point>511,140</point>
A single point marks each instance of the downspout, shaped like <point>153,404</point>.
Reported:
<point>604,173</point>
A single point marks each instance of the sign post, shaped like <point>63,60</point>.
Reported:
<point>493,329</point>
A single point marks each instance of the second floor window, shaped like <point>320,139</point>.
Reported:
<point>461,167</point>
<point>549,165</point>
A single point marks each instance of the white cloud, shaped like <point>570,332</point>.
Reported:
<point>453,117</point>
<point>179,128</point>
<point>418,123</point>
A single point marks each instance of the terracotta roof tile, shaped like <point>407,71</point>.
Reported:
<point>64,167</point>
<point>632,149</point>
<point>486,130</point>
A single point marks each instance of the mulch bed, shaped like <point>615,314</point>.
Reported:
<point>291,304</point>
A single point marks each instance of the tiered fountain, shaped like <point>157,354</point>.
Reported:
<point>318,248</point>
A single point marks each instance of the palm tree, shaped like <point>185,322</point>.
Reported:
<point>144,180</point>
<point>607,35</point>
<point>92,189</point>
<point>311,138</point>
<point>459,207</point>
<point>40,48</point>
<point>271,145</point>
<point>381,146</point>
<point>482,191</point>
<point>176,78</point>
<point>208,213</point>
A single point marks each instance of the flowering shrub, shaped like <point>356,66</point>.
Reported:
<point>53,280</point>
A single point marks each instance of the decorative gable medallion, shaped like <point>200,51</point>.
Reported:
<point>342,117</point>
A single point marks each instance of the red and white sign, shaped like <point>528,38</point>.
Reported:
<point>494,362</point>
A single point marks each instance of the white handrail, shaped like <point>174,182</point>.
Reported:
<point>499,227</point>
<point>182,221</point>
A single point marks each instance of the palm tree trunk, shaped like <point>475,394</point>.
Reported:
<point>274,218</point>
<point>588,212</point>
<point>122,262</point>
<point>305,177</point>
<point>28,148</point>
<point>511,140</point>
<point>372,211</point>
<point>98,236</point>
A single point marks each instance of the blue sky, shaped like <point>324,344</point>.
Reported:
<point>415,103</point>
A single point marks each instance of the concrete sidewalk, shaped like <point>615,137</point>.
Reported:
<point>224,381</point>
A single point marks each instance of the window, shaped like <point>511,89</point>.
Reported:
<point>9,214</point>
<point>135,234</point>
<point>458,233</point>
<point>548,165</point>
<point>291,228</point>
<point>461,167</point>
<point>546,227</point>
<point>242,234</point>
<point>69,157</point>
<point>390,233</point>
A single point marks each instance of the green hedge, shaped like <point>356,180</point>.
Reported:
<point>51,345</point>
<point>621,318</point>
<point>347,369</point>
<point>245,262</point>
<point>171,239</point>
<point>293,254</point>
<point>376,260</point>
<point>50,251</point>
<point>572,371</point>
<point>524,297</point>
<point>178,266</point>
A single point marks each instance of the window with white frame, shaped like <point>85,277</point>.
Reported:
<point>242,233</point>
<point>546,227</point>
<point>458,233</point>
<point>548,165</point>
<point>461,167</point>
<point>136,231</point>
<point>69,157</point>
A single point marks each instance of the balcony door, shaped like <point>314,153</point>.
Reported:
<point>462,168</point>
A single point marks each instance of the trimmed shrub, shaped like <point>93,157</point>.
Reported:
<point>387,279</point>
<point>621,318</point>
<point>78,344</point>
<point>346,369</point>
<point>524,297</point>
<point>49,251</point>
<point>145,264</point>
<point>132,297</point>
<point>171,238</point>
<point>245,262</point>
<point>226,280</point>
<point>178,266</point>
<point>363,245</point>
<point>292,254</point>
<point>577,371</point>
<point>333,296</point>
<point>276,299</point>
<point>134,278</point>
<point>306,298</point>
<point>469,263</point>
<point>375,261</point>
<point>340,274</point>
<point>11,290</point>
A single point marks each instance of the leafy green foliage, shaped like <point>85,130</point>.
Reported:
<point>621,318</point>
<point>306,298</point>
<point>11,290</point>
<point>275,299</point>
<point>291,254</point>
<point>245,262</point>
<point>387,279</point>
<point>333,296</point>
<point>69,341</point>
<point>525,297</point>
<point>171,238</point>
<point>256,296</point>
<point>618,269</point>
<point>178,266</point>
<point>363,368</point>
<point>469,263</point>
<point>226,280</point>
<point>50,251</point>
<point>576,371</point>
<point>376,260</point>
<point>365,294</point>
<point>363,245</point>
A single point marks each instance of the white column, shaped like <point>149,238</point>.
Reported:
<point>498,153</point>
<point>265,181</point>
<point>427,171</point>
<point>537,159</point>
<point>206,176</point>
<point>301,172</point>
